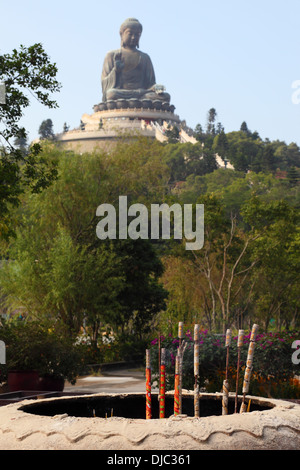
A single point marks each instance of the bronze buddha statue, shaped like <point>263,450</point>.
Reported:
<point>128,73</point>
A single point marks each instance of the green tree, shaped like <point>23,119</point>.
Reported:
<point>211,119</point>
<point>28,69</point>
<point>293,155</point>
<point>223,263</point>
<point>276,276</point>
<point>46,130</point>
<point>174,158</point>
<point>244,152</point>
<point>293,176</point>
<point>268,159</point>
<point>60,278</point>
<point>21,143</point>
<point>173,134</point>
<point>187,159</point>
<point>188,301</point>
<point>216,182</point>
<point>248,268</point>
<point>57,266</point>
<point>212,129</point>
<point>220,145</point>
<point>199,161</point>
<point>142,296</point>
<point>199,134</point>
<point>244,128</point>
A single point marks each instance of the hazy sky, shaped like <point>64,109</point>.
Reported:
<point>239,57</point>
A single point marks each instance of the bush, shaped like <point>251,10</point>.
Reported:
<point>116,349</point>
<point>273,371</point>
<point>34,345</point>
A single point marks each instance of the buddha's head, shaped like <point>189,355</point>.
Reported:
<point>130,32</point>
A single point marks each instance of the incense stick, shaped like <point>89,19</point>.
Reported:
<point>159,361</point>
<point>180,358</point>
<point>227,344</point>
<point>239,345</point>
<point>176,387</point>
<point>225,382</point>
<point>225,397</point>
<point>180,332</point>
<point>148,385</point>
<point>162,388</point>
<point>248,369</point>
<point>181,350</point>
<point>196,370</point>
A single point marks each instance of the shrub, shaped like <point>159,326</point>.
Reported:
<point>123,347</point>
<point>273,370</point>
<point>34,345</point>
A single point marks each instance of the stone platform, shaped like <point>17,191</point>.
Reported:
<point>102,128</point>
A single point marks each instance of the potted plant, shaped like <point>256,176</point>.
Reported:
<point>40,355</point>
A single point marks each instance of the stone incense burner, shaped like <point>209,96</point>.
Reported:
<point>117,422</point>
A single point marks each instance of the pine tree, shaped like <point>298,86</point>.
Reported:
<point>293,176</point>
<point>221,146</point>
<point>244,128</point>
<point>268,159</point>
<point>211,118</point>
<point>21,143</point>
<point>46,130</point>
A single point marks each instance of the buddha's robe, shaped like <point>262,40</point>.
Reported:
<point>134,80</point>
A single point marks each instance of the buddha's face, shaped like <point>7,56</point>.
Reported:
<point>131,37</point>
